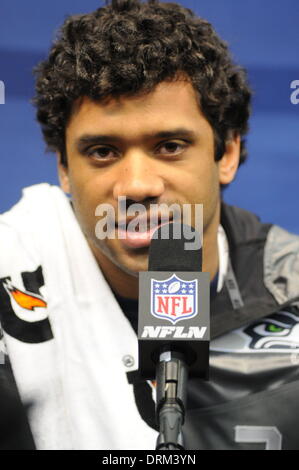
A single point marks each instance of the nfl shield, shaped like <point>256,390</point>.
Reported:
<point>174,299</point>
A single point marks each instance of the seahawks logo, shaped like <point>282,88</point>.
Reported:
<point>280,331</point>
<point>276,333</point>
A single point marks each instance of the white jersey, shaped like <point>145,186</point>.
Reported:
<point>69,344</point>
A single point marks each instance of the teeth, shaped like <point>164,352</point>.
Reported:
<point>148,226</point>
<point>138,235</point>
<point>139,231</point>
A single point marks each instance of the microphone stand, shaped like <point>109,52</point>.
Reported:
<point>171,378</point>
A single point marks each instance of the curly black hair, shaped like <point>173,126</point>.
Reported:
<point>126,48</point>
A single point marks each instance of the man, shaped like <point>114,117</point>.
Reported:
<point>142,101</point>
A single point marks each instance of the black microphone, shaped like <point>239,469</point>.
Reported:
<point>173,324</point>
<point>174,302</point>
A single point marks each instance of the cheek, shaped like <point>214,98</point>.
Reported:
<point>88,191</point>
<point>199,180</point>
<point>200,185</point>
<point>84,201</point>
<point>86,188</point>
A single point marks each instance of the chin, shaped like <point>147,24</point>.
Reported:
<point>132,267</point>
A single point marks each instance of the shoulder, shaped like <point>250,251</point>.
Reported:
<point>23,226</point>
<point>35,200</point>
<point>279,250</point>
<point>242,226</point>
<point>281,264</point>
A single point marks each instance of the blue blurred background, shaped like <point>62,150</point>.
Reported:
<point>264,37</point>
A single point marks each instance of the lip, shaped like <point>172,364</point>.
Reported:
<point>137,239</point>
<point>156,218</point>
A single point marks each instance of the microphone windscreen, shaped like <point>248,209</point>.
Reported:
<point>167,251</point>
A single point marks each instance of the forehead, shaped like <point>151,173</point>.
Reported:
<point>170,104</point>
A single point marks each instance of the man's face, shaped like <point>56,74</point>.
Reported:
<point>155,148</point>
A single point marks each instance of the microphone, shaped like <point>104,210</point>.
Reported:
<point>174,303</point>
<point>173,325</point>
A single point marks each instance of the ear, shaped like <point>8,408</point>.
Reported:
<point>63,175</point>
<point>229,163</point>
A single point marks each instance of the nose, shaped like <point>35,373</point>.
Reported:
<point>138,178</point>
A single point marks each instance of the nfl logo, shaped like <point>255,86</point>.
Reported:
<point>174,299</point>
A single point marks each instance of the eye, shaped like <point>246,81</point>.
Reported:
<point>274,328</point>
<point>101,153</point>
<point>172,148</point>
<point>271,329</point>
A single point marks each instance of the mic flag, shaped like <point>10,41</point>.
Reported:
<point>174,303</point>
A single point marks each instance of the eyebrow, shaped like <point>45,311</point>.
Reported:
<point>93,139</point>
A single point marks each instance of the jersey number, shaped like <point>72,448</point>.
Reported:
<point>259,434</point>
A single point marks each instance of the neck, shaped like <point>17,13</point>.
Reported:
<point>122,283</point>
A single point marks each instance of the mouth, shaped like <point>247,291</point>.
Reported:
<point>138,239</point>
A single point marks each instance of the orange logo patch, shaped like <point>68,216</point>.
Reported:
<point>27,301</point>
